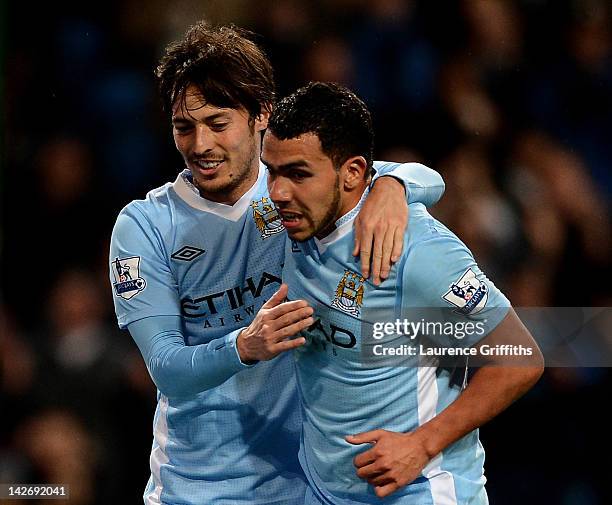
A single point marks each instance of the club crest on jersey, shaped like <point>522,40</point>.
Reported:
<point>266,217</point>
<point>349,293</point>
<point>468,294</point>
<point>128,282</point>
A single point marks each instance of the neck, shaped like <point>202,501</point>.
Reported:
<point>351,198</point>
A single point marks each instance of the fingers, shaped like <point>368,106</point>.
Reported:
<point>268,334</point>
<point>377,248</point>
<point>280,336</point>
<point>377,256</point>
<point>288,345</point>
<point>365,254</point>
<point>365,265</point>
<point>285,320</point>
<point>288,325</point>
<point>392,244</point>
<point>277,298</point>
<point>379,479</point>
<point>364,459</point>
<point>398,237</point>
<point>387,251</point>
<point>286,331</point>
<point>398,245</point>
<point>357,228</point>
<point>370,471</point>
<point>289,310</point>
<point>386,490</point>
<point>365,437</point>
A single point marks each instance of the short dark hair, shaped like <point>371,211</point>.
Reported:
<point>334,113</point>
<point>228,69</point>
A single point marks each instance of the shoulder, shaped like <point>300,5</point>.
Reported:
<point>423,227</point>
<point>429,241</point>
<point>152,202</point>
<point>146,213</point>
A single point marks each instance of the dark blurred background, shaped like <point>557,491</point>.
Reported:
<point>510,100</point>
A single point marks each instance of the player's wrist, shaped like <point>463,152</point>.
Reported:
<point>428,441</point>
<point>243,350</point>
<point>390,181</point>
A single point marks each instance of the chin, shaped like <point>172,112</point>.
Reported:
<point>301,236</point>
<point>214,185</point>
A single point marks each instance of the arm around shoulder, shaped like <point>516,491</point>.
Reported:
<point>380,225</point>
<point>422,184</point>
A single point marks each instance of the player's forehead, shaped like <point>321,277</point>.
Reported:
<point>306,146</point>
<point>193,105</point>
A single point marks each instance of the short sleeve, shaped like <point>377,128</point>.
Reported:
<point>142,282</point>
<point>443,284</point>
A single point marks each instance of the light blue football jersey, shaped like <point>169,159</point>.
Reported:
<point>342,393</point>
<point>187,276</point>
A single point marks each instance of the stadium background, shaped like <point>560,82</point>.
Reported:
<point>510,101</point>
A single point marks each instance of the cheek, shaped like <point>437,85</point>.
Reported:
<point>324,194</point>
<point>322,200</point>
<point>181,144</point>
<point>237,141</point>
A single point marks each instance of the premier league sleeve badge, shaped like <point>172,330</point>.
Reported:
<point>127,281</point>
<point>468,294</point>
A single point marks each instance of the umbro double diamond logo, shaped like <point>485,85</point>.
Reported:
<point>187,253</point>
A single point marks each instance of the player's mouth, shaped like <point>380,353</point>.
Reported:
<point>290,219</point>
<point>206,167</point>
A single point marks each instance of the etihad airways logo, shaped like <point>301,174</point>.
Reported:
<point>232,298</point>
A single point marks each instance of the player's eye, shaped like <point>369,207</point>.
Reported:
<point>298,176</point>
<point>218,126</point>
<point>182,128</point>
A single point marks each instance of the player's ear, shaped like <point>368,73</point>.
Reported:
<point>354,170</point>
<point>261,121</point>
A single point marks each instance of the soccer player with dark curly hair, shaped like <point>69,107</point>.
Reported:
<point>400,429</point>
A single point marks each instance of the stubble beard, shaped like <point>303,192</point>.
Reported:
<point>327,224</point>
<point>248,171</point>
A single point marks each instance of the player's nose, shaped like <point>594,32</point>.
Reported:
<point>202,140</point>
<point>279,189</point>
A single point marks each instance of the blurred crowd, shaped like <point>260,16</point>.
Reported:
<point>511,101</point>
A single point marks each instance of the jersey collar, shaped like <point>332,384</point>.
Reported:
<point>344,225</point>
<point>184,188</point>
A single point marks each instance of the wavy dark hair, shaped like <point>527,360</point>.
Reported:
<point>334,113</point>
<point>226,66</point>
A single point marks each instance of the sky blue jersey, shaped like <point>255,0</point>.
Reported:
<point>343,394</point>
<point>187,276</point>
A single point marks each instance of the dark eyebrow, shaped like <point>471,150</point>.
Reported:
<point>180,120</point>
<point>218,115</point>
<point>207,119</point>
<point>285,167</point>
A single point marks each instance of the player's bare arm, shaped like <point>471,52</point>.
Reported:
<point>270,332</point>
<point>396,459</point>
<point>379,228</point>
